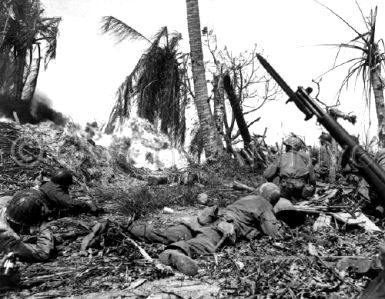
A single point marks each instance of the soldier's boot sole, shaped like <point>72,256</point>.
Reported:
<point>179,261</point>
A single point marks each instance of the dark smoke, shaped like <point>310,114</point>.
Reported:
<point>34,111</point>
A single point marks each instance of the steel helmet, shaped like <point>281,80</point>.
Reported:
<point>270,192</point>
<point>62,177</point>
<point>26,208</point>
<point>294,142</point>
<point>285,211</point>
<point>325,137</point>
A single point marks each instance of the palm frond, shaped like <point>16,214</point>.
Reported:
<point>49,32</point>
<point>338,16</point>
<point>163,32</point>
<point>155,86</point>
<point>120,30</point>
<point>344,45</point>
<point>175,39</point>
<point>362,15</point>
<point>339,65</point>
<point>24,27</point>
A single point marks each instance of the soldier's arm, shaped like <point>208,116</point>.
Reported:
<point>270,225</point>
<point>271,171</point>
<point>28,252</point>
<point>312,177</point>
<point>63,201</point>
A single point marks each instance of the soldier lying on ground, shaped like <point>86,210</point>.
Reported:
<point>55,194</point>
<point>240,220</point>
<point>32,208</point>
<point>293,171</point>
<point>24,211</point>
<point>56,198</point>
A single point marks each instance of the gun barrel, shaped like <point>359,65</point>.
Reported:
<point>370,170</point>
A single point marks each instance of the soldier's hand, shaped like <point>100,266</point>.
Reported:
<point>228,230</point>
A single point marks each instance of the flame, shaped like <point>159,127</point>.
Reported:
<point>143,145</point>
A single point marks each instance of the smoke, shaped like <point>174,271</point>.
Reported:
<point>34,111</point>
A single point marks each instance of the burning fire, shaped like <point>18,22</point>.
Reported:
<point>143,146</point>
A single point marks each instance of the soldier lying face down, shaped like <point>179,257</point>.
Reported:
<point>24,211</point>
<point>246,218</point>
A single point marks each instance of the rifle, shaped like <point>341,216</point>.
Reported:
<point>368,168</point>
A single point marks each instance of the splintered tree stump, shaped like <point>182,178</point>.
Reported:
<point>376,288</point>
<point>157,180</point>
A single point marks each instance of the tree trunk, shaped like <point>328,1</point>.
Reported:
<point>31,76</point>
<point>212,141</point>
<point>19,73</point>
<point>238,114</point>
<point>219,103</point>
<point>377,85</point>
<point>333,161</point>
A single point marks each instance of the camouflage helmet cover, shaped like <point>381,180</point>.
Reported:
<point>270,191</point>
<point>294,142</point>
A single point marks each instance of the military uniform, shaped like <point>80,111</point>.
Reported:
<point>295,171</point>
<point>323,165</point>
<point>10,241</point>
<point>248,215</point>
<point>58,200</point>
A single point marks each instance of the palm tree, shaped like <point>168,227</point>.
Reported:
<point>155,83</point>
<point>369,64</point>
<point>23,29</point>
<point>211,139</point>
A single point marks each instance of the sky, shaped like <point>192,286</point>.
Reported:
<point>89,67</point>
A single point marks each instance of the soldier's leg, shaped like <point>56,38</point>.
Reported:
<point>203,243</point>
<point>149,234</point>
<point>180,254</point>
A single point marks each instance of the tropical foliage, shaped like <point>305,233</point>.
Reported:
<point>26,39</point>
<point>155,84</point>
<point>369,64</point>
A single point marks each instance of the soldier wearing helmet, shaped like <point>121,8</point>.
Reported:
<point>323,164</point>
<point>246,218</point>
<point>56,195</point>
<point>24,211</point>
<point>293,171</point>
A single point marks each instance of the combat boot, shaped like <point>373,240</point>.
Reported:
<point>179,261</point>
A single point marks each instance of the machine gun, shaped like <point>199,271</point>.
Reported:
<point>369,169</point>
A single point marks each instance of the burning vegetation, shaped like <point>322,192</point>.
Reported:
<point>123,210</point>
